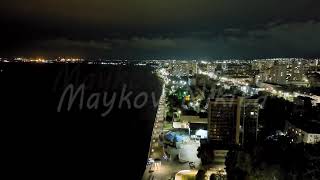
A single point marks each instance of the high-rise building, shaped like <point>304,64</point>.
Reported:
<point>183,68</point>
<point>224,121</point>
<point>278,74</point>
<point>249,121</point>
<point>232,121</point>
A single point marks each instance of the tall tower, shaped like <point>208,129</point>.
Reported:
<point>279,73</point>
<point>224,121</point>
<point>249,121</point>
<point>232,121</point>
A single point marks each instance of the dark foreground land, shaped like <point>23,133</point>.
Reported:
<point>38,141</point>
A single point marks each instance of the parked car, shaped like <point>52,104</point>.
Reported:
<point>150,161</point>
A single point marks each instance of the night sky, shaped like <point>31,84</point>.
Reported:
<point>160,28</point>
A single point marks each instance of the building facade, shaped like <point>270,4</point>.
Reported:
<point>233,121</point>
<point>278,73</point>
<point>224,121</point>
<point>249,121</point>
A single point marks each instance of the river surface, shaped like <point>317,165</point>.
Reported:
<point>43,139</point>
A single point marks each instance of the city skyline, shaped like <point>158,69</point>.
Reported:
<point>161,89</point>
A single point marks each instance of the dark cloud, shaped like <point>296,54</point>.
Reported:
<point>144,28</point>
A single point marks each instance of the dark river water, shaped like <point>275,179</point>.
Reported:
<point>96,136</point>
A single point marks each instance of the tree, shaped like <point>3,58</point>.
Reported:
<point>201,174</point>
<point>238,165</point>
<point>212,177</point>
<point>205,153</point>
